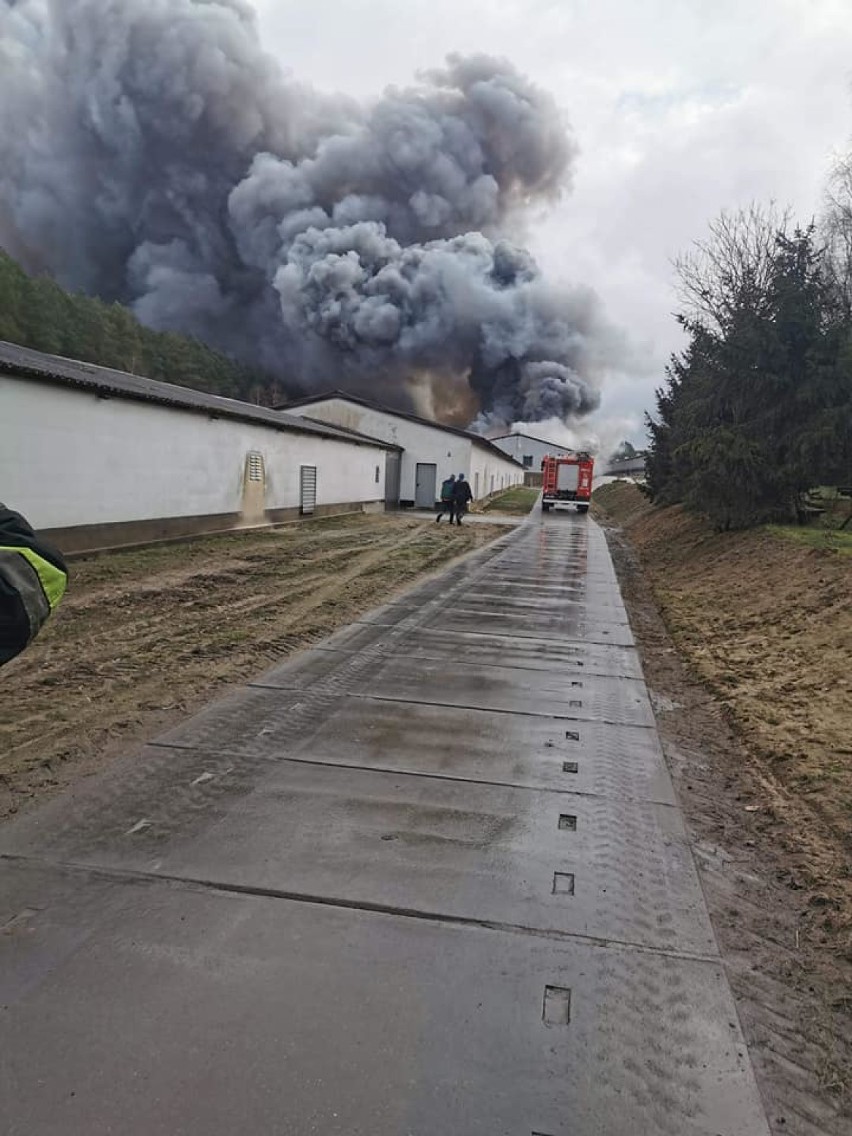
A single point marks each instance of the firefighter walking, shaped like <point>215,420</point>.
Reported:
<point>462,496</point>
<point>448,502</point>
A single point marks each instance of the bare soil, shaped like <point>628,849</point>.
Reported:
<point>746,640</point>
<point>145,637</point>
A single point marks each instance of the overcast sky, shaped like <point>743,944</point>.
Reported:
<point>681,108</point>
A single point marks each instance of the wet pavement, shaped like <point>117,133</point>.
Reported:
<point>428,879</point>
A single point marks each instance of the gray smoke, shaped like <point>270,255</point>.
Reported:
<point>150,152</point>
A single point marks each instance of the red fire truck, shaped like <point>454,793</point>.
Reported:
<point>567,480</point>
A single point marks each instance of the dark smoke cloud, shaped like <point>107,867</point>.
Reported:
<point>151,152</point>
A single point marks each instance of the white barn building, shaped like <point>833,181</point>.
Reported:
<point>98,458</point>
<point>529,451</point>
<point>430,452</point>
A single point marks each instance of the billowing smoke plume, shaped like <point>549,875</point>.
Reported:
<point>150,152</point>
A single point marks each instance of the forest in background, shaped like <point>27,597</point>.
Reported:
<point>36,312</point>
<point>755,414</point>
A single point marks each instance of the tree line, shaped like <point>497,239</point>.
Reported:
<point>756,411</point>
<point>35,312</point>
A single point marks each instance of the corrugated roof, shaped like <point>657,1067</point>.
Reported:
<point>23,361</point>
<point>477,439</point>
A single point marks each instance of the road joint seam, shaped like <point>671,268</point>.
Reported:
<point>392,771</point>
<point>137,876</point>
<point>320,687</point>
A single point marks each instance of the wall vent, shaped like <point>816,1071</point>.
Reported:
<point>307,490</point>
<point>255,467</point>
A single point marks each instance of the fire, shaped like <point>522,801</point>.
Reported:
<point>443,397</point>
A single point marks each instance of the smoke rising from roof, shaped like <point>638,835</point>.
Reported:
<point>150,152</point>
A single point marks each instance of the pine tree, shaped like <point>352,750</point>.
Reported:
<point>37,313</point>
<point>758,409</point>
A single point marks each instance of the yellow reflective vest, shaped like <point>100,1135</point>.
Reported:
<point>33,578</point>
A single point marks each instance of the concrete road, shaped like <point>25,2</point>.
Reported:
<point>429,879</point>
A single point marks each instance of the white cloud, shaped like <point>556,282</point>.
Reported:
<point>682,108</point>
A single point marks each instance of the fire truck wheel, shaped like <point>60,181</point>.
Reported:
<point>582,510</point>
<point>545,508</point>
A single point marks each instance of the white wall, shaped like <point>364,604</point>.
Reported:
<point>518,446</point>
<point>490,473</point>
<point>68,457</point>
<point>420,442</point>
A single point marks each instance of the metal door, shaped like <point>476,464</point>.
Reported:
<point>425,483</point>
<point>392,480</point>
<point>307,489</point>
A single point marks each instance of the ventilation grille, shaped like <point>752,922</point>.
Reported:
<point>307,489</point>
<point>255,467</point>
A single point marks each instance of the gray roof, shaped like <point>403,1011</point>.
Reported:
<point>477,439</point>
<point>532,438</point>
<point>626,465</point>
<point>106,383</point>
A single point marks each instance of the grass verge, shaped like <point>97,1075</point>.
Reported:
<point>519,499</point>
<point>764,619</point>
<point>829,540</point>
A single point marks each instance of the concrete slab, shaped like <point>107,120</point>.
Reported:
<point>584,697</point>
<point>565,657</point>
<point>533,625</point>
<point>562,608</point>
<point>486,853</point>
<point>578,583</point>
<point>545,557</point>
<point>538,551</point>
<point>183,786</point>
<point>146,1009</point>
<point>391,614</point>
<point>540,595</point>
<point>320,906</point>
<point>529,576</point>
<point>225,722</point>
<point>417,609</point>
<point>474,745</point>
<point>553,656</point>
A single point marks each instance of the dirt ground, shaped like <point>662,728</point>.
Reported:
<point>746,647</point>
<point>145,637</point>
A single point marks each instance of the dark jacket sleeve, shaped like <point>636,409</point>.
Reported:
<point>15,530</point>
<point>33,578</point>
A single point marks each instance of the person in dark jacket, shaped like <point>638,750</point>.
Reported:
<point>447,503</point>
<point>33,578</point>
<point>462,497</point>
